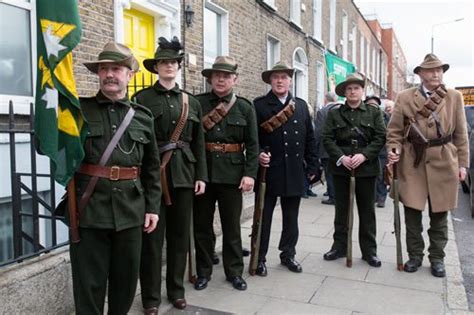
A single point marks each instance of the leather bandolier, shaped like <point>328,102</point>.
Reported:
<point>216,115</point>
<point>276,121</point>
<point>416,137</point>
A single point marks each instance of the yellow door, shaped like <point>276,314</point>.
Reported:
<point>139,36</point>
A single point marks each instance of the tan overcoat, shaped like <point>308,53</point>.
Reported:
<point>437,176</point>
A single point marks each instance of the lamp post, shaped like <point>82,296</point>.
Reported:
<point>433,27</point>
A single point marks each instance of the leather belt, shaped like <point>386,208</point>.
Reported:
<point>224,147</point>
<point>167,146</point>
<point>110,172</point>
<point>440,141</point>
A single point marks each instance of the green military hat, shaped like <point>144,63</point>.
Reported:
<point>223,64</point>
<point>351,78</point>
<point>280,66</point>
<point>430,62</point>
<point>166,50</point>
<point>114,53</point>
<point>373,98</point>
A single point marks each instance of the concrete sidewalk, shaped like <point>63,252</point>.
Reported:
<point>330,287</point>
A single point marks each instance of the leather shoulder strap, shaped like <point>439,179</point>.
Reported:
<point>104,158</point>
<point>216,115</point>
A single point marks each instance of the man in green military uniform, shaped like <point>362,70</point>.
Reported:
<point>231,129</point>
<point>126,198</point>
<point>185,175</point>
<point>354,120</point>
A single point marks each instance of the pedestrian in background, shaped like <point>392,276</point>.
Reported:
<point>330,100</point>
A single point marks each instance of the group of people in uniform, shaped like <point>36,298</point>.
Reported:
<point>179,155</point>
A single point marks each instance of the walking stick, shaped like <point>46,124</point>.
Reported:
<point>350,215</point>
<point>192,273</point>
<point>257,221</point>
<point>396,216</point>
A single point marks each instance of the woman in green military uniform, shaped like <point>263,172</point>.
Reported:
<point>354,120</point>
<point>186,174</point>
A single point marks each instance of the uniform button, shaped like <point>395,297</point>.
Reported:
<point>172,106</point>
<point>141,138</point>
<point>286,154</point>
<point>352,118</point>
<point>167,95</point>
<point>217,155</point>
<point>112,110</point>
<point>284,132</point>
<point>286,143</point>
<point>297,154</point>
<point>238,123</point>
<point>430,124</point>
<point>174,152</point>
<point>114,126</point>
<point>173,122</point>
<point>218,129</point>
<point>297,143</point>
<point>295,121</point>
<point>296,132</point>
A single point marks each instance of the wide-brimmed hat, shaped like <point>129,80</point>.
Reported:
<point>280,66</point>
<point>166,50</point>
<point>351,78</point>
<point>373,97</point>
<point>430,62</point>
<point>114,53</point>
<point>223,64</point>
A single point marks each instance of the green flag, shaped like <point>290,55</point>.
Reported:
<point>337,70</point>
<point>59,124</point>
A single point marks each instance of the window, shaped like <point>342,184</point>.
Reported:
<point>271,3</point>
<point>273,51</point>
<point>317,20</point>
<point>332,25</point>
<point>374,63</point>
<point>295,11</point>
<point>216,42</point>
<point>362,54</point>
<point>367,57</point>
<point>17,66</point>
<point>300,80</point>
<point>319,85</point>
<point>345,35</point>
<point>353,39</point>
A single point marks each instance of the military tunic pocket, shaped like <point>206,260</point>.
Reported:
<point>94,145</point>
<point>139,138</point>
<point>189,155</point>
<point>235,127</point>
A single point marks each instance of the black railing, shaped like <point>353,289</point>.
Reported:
<point>26,219</point>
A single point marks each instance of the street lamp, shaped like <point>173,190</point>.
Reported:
<point>433,27</point>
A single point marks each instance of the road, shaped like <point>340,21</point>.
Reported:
<point>464,230</point>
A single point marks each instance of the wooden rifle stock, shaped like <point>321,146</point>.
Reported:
<point>257,221</point>
<point>72,206</point>
<point>396,216</point>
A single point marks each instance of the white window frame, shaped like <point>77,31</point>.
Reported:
<point>273,42</point>
<point>374,64</point>
<point>353,39</point>
<point>320,79</point>
<point>362,53</point>
<point>270,3</point>
<point>295,12</point>
<point>318,20</point>
<point>224,29</point>
<point>21,104</point>
<point>345,34</point>
<point>332,25</point>
<point>367,53</point>
<point>301,74</point>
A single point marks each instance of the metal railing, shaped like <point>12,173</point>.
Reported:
<point>21,189</point>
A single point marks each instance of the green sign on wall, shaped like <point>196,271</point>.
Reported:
<point>337,70</point>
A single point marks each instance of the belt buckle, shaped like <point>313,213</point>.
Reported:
<point>217,147</point>
<point>114,173</point>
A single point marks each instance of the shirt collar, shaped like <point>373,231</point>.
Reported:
<point>102,99</point>
<point>161,89</point>
<point>362,107</point>
<point>226,98</point>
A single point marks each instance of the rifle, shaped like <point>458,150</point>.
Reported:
<point>257,221</point>
<point>396,216</point>
<point>72,206</point>
<point>350,215</point>
<point>192,272</point>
